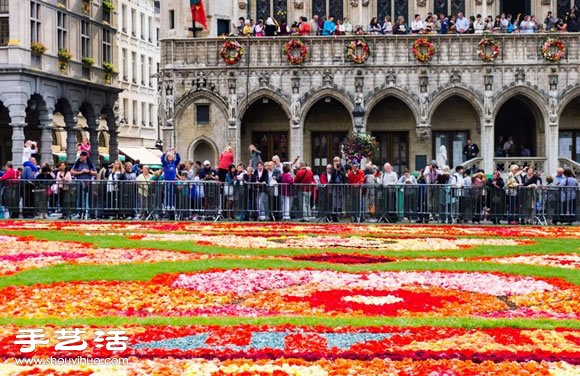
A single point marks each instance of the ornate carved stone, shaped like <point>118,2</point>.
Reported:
<point>264,79</point>
<point>243,4</point>
<point>296,103</point>
<point>232,101</point>
<point>421,3</point>
<point>354,3</point>
<point>488,82</point>
<point>455,76</point>
<point>546,2</point>
<point>423,83</point>
<point>365,3</point>
<point>201,82</point>
<point>423,108</point>
<point>520,75</point>
<point>327,77</point>
<point>298,4</point>
<point>553,82</point>
<point>391,77</point>
<point>478,2</point>
<point>489,2</point>
<point>488,108</point>
<point>423,132</point>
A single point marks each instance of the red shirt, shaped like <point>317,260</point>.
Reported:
<point>226,159</point>
<point>304,29</point>
<point>10,174</point>
<point>356,177</point>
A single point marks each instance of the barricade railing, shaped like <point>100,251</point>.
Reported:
<point>243,201</point>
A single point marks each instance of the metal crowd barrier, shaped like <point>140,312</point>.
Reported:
<point>191,200</point>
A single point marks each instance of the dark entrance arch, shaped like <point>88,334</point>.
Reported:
<point>515,7</point>
<point>265,124</point>
<point>517,118</point>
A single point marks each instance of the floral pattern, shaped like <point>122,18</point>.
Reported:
<point>239,275</point>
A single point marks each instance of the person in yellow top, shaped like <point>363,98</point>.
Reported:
<point>247,31</point>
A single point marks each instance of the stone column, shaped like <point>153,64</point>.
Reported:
<point>46,138</point>
<point>18,122</point>
<point>296,141</point>
<point>113,137</point>
<point>487,146</point>
<point>552,136</point>
<point>70,125</point>
<point>93,139</point>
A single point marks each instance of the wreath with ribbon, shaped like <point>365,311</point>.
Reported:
<point>289,49</point>
<point>228,47</point>
<point>423,49</point>
<point>547,49</point>
<point>484,54</point>
<point>351,51</point>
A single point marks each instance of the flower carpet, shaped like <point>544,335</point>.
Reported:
<point>136,298</point>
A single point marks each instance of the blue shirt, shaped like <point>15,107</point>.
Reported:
<point>170,167</point>
<point>328,28</point>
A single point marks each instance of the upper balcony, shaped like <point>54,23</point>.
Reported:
<point>392,51</point>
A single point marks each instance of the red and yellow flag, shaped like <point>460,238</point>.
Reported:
<point>198,12</point>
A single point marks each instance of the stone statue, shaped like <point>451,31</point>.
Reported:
<point>169,102</point>
<point>423,108</point>
<point>295,106</point>
<point>232,108</point>
<point>442,156</point>
<point>488,107</point>
<point>553,109</point>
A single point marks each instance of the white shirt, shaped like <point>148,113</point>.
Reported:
<point>462,24</point>
<point>388,178</point>
<point>417,25</point>
<point>26,154</point>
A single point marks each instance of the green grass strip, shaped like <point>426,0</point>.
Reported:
<point>454,322</point>
<point>146,271</point>
<point>542,247</point>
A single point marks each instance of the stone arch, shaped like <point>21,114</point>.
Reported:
<point>264,93</point>
<point>188,98</point>
<point>526,107</point>
<point>376,97</point>
<point>568,97</point>
<point>209,144</point>
<point>532,95</point>
<point>310,99</point>
<point>458,91</point>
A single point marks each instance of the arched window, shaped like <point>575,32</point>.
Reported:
<point>328,8</point>
<point>271,8</point>
<point>448,7</point>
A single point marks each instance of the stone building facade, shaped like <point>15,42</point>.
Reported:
<point>412,108</point>
<point>138,52</point>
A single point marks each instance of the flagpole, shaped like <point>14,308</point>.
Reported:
<point>193,21</point>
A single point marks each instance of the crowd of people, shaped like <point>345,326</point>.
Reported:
<point>284,190</point>
<point>430,24</point>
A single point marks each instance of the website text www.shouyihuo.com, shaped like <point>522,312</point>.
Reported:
<point>79,360</point>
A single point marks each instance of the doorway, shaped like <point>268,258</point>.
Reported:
<point>393,148</point>
<point>516,119</point>
<point>325,146</point>
<point>515,7</point>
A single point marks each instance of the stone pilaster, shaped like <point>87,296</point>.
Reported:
<point>113,137</point>
<point>296,141</point>
<point>93,138</point>
<point>46,138</point>
<point>71,122</point>
<point>17,142</point>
